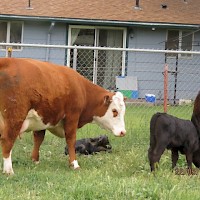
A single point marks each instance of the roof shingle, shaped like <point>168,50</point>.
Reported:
<point>177,11</point>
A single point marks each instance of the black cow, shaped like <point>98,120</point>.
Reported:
<point>88,146</point>
<point>196,113</point>
<point>196,121</point>
<point>176,134</point>
<point>196,158</point>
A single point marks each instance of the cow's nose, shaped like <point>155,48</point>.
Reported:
<point>123,133</point>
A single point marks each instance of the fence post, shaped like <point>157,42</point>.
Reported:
<point>165,87</point>
<point>9,52</point>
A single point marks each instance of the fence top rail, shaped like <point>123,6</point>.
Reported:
<point>99,48</point>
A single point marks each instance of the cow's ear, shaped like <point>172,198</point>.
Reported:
<point>107,100</point>
<point>125,98</point>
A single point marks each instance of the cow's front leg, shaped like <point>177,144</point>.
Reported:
<point>189,162</point>
<point>174,157</point>
<point>6,153</point>
<point>70,135</point>
<point>38,139</point>
<point>7,165</point>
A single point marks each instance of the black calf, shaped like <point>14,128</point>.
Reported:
<point>176,134</point>
<point>91,145</point>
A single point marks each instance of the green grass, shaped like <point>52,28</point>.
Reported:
<point>120,175</point>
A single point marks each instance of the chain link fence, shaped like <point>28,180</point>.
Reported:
<point>137,73</point>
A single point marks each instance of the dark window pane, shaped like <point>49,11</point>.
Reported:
<point>186,44</point>
<point>84,37</point>
<point>186,41</point>
<point>109,62</point>
<point>15,33</point>
<point>85,58</point>
<point>172,42</point>
<point>3,33</point>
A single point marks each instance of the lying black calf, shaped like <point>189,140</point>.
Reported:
<point>91,145</point>
<point>176,134</point>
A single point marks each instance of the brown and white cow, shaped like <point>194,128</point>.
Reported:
<point>38,96</point>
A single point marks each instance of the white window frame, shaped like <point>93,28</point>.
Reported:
<point>180,43</point>
<point>96,32</point>
<point>8,35</point>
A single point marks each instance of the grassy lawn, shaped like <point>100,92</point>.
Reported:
<point>123,174</point>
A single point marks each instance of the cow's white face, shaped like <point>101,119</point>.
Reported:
<point>113,120</point>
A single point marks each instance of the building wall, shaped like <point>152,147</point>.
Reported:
<point>149,67</point>
<point>38,33</point>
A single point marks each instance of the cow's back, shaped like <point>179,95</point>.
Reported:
<point>172,128</point>
<point>47,88</point>
<point>159,122</point>
<point>17,73</point>
<point>169,123</point>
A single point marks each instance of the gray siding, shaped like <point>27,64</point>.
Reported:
<point>37,33</point>
<point>148,67</point>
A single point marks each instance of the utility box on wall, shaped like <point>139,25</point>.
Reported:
<point>128,86</point>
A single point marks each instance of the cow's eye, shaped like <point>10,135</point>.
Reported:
<point>115,113</point>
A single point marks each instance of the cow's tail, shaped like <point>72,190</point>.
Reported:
<point>196,107</point>
<point>196,121</point>
<point>153,128</point>
<point>196,113</point>
<point>152,145</point>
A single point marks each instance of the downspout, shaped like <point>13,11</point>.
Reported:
<point>49,39</point>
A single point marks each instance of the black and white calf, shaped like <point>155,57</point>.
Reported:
<point>88,146</point>
<point>178,135</point>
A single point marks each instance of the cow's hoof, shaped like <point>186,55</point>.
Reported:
<point>36,161</point>
<point>78,168</point>
<point>8,173</point>
<point>74,165</point>
<point>74,168</point>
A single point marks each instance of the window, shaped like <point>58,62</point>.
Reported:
<point>11,32</point>
<point>179,40</point>
<point>99,66</point>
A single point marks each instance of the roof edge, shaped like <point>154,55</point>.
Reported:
<point>98,22</point>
